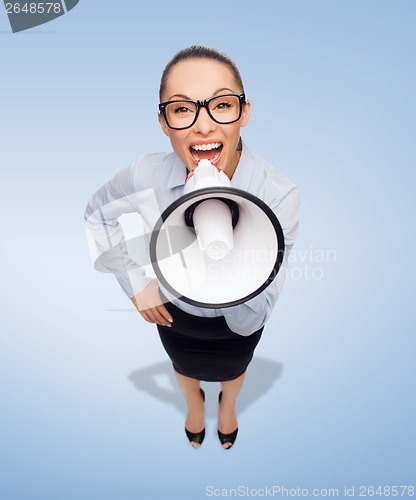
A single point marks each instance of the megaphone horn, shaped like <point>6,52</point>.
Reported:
<point>234,248</point>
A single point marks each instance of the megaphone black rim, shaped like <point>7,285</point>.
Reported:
<point>217,191</point>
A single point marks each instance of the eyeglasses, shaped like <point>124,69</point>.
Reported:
<point>223,109</point>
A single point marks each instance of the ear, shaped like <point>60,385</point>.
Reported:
<point>245,115</point>
<point>162,123</point>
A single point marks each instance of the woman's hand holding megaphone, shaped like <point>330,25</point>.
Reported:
<point>150,306</point>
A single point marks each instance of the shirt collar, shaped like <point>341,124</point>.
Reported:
<point>244,170</point>
<point>177,171</point>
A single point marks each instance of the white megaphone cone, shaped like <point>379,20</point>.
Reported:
<point>216,246</point>
<point>211,218</point>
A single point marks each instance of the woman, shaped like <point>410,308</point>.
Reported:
<point>203,344</point>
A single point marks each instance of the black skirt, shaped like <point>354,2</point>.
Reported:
<point>205,348</point>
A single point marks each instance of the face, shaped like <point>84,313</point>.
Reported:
<point>198,79</point>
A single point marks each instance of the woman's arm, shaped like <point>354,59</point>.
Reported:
<point>108,246</point>
<point>250,316</point>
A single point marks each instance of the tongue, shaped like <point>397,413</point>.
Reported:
<point>207,155</point>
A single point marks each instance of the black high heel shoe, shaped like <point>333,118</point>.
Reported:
<point>196,437</point>
<point>226,438</point>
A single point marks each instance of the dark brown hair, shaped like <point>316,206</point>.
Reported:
<point>200,52</point>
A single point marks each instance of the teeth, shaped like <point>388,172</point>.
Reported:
<point>206,147</point>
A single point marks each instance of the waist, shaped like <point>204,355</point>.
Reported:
<point>201,312</point>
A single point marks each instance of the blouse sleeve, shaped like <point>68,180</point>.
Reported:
<point>105,234</point>
<point>250,316</point>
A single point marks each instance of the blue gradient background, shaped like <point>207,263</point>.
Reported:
<point>90,408</point>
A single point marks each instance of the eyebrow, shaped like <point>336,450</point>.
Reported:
<point>182,96</point>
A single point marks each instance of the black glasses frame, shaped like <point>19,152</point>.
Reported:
<point>202,104</point>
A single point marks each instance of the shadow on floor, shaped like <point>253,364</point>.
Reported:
<point>261,375</point>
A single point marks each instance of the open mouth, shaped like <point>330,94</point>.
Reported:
<point>209,152</point>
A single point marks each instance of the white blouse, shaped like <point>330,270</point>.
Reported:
<point>152,183</point>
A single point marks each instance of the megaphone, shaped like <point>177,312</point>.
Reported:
<point>234,243</point>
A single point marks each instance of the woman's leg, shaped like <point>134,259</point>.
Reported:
<point>227,419</point>
<point>195,416</point>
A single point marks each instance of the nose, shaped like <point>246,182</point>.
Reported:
<point>204,124</point>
